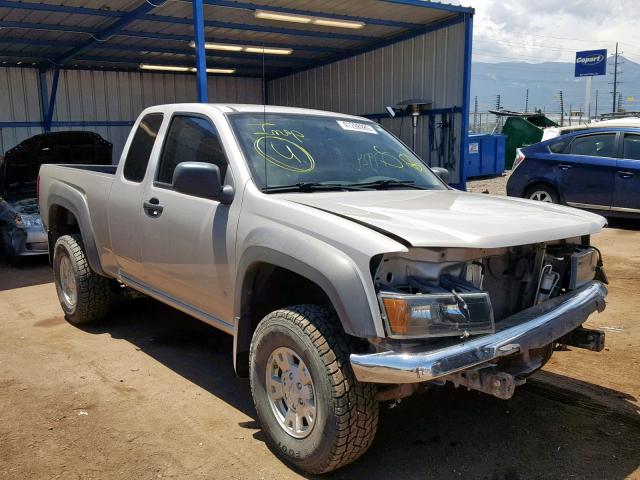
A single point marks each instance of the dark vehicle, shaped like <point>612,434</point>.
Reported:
<point>21,231</point>
<point>596,169</point>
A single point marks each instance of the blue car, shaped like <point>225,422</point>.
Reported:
<point>595,169</point>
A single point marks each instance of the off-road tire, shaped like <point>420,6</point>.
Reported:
<point>93,291</point>
<point>347,410</point>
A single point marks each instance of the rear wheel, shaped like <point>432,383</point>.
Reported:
<point>84,295</point>
<point>313,411</point>
<point>542,193</point>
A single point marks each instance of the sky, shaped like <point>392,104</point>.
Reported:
<point>552,30</point>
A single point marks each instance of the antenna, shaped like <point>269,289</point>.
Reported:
<point>264,119</point>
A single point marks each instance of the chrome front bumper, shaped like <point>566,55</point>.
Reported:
<point>531,328</point>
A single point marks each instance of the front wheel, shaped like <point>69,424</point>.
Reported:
<point>315,414</point>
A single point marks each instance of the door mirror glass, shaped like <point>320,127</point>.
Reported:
<point>442,173</point>
<point>203,180</point>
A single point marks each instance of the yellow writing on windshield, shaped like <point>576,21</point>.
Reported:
<point>282,148</point>
<point>377,158</point>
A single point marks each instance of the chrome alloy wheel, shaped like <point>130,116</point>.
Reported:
<point>291,392</point>
<point>67,281</point>
<point>541,196</point>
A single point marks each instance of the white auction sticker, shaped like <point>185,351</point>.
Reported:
<point>356,127</point>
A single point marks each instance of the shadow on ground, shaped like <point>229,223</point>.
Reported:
<point>632,224</point>
<point>543,432</point>
<point>24,271</point>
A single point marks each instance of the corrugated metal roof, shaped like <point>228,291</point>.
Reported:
<point>48,32</point>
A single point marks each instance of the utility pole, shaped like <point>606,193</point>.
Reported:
<point>619,102</point>
<point>570,113</point>
<point>615,79</point>
<point>561,109</point>
<point>526,102</point>
<point>475,115</point>
<point>596,104</point>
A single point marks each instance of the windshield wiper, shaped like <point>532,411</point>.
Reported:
<point>310,187</point>
<point>384,184</point>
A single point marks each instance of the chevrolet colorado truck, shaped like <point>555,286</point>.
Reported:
<point>345,268</point>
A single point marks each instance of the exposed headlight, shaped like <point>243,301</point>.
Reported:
<point>28,221</point>
<point>437,315</point>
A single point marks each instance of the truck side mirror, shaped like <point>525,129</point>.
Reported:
<point>201,179</point>
<point>442,173</point>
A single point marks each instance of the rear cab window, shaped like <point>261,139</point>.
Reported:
<point>190,138</point>
<point>135,165</point>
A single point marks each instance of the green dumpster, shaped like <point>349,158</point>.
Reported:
<point>522,130</point>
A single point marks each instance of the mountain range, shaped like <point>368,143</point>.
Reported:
<point>544,80</point>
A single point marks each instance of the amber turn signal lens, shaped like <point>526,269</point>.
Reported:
<point>397,315</point>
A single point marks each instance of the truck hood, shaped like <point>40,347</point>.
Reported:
<point>450,218</point>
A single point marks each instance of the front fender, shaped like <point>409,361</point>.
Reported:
<point>329,268</point>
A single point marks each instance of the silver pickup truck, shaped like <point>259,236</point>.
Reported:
<point>345,268</point>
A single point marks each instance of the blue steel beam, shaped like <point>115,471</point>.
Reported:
<point>295,11</point>
<point>36,42</point>
<point>157,36</point>
<point>247,70</point>
<point>434,6</point>
<point>52,100</point>
<point>201,56</point>
<point>43,7</point>
<point>188,38</point>
<point>142,59</point>
<point>70,123</point>
<point>154,49</point>
<point>279,60</point>
<point>218,3</point>
<point>466,97</point>
<point>44,98</point>
<point>259,28</point>
<point>104,34</point>
<point>47,26</point>
<point>47,102</point>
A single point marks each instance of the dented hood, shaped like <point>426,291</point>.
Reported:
<point>450,218</point>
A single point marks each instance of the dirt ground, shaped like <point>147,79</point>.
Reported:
<point>150,393</point>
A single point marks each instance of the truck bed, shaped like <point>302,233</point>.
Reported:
<point>85,190</point>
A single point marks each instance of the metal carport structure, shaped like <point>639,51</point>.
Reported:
<point>77,63</point>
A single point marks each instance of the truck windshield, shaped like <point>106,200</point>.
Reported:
<point>307,150</point>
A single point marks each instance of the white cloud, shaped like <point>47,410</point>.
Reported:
<point>553,30</point>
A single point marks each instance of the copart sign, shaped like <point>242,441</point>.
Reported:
<point>591,63</point>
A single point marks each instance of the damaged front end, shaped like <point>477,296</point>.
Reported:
<point>481,318</point>
<point>21,230</point>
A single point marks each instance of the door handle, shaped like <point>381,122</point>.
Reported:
<point>564,166</point>
<point>152,207</point>
<point>625,174</point>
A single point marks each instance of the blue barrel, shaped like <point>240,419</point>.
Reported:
<point>484,155</point>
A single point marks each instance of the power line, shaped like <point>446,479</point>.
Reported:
<point>519,32</point>
<point>541,47</point>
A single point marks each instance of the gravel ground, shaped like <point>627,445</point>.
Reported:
<point>492,185</point>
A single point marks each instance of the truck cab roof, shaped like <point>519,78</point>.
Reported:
<point>248,108</point>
